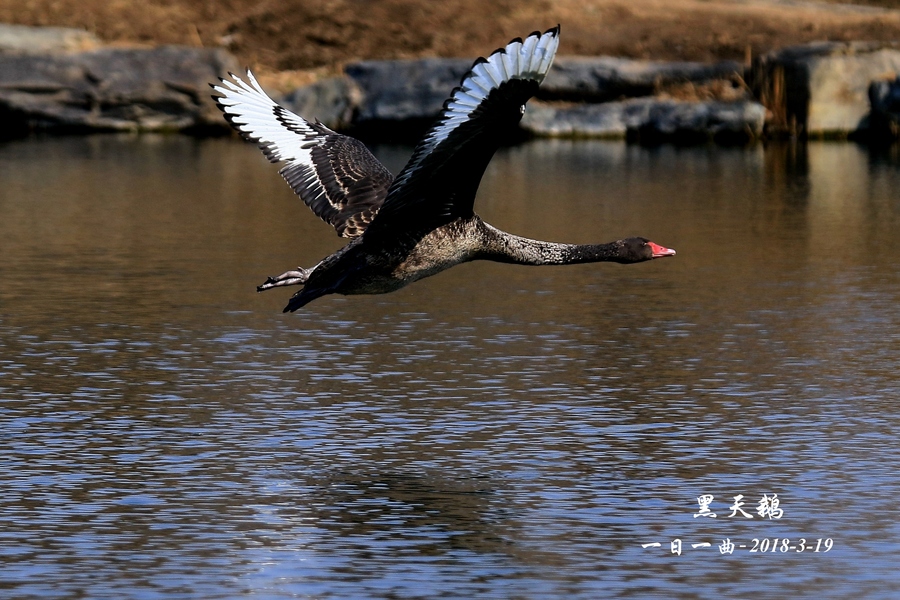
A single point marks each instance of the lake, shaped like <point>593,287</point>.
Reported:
<point>495,431</point>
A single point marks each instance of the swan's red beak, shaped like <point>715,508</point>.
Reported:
<point>659,251</point>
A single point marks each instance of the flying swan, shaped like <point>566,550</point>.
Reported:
<point>421,222</point>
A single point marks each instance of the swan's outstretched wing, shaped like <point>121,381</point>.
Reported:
<point>335,175</point>
<point>439,183</point>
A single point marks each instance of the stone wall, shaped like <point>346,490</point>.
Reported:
<point>61,79</point>
<point>822,89</point>
<point>48,81</point>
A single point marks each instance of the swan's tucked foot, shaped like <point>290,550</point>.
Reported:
<point>297,277</point>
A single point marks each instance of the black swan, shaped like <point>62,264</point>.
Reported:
<point>421,222</point>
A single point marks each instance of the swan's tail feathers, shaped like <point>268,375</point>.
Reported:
<point>302,298</point>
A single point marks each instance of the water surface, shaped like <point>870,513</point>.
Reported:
<point>494,431</point>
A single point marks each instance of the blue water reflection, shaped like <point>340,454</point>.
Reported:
<point>495,431</point>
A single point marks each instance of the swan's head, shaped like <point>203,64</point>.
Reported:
<point>638,249</point>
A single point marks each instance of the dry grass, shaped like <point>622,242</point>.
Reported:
<point>720,89</point>
<point>296,35</point>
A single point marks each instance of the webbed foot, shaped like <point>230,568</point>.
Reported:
<point>297,277</point>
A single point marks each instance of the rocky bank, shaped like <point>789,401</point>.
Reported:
<point>60,79</point>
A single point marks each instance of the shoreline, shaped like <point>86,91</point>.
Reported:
<point>67,80</point>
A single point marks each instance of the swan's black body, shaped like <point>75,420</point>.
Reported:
<point>423,221</point>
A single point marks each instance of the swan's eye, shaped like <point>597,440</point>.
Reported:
<point>522,109</point>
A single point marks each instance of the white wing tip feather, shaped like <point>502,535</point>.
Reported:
<point>239,99</point>
<point>253,112</point>
<point>528,59</point>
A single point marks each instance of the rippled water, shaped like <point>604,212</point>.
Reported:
<point>495,431</point>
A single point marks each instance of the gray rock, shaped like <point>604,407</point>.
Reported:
<point>821,89</point>
<point>416,89</point>
<point>333,101</point>
<point>21,39</point>
<point>604,120</point>
<point>604,78</point>
<point>719,121</point>
<point>116,89</point>
<point>404,90</point>
<point>651,119</point>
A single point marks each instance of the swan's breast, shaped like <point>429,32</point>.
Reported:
<point>439,250</point>
<point>390,269</point>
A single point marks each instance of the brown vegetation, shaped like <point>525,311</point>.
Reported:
<point>279,35</point>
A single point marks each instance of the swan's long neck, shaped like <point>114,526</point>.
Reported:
<point>501,246</point>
